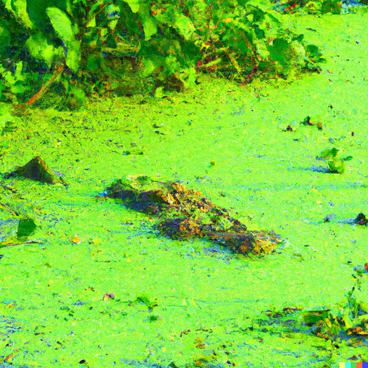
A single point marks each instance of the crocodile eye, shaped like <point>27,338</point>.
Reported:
<point>360,217</point>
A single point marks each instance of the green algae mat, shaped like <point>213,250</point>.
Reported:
<point>92,281</point>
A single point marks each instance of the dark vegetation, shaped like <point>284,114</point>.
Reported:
<point>74,51</point>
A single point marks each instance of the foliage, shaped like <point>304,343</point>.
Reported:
<point>349,318</point>
<point>334,160</point>
<point>167,43</point>
<point>345,322</point>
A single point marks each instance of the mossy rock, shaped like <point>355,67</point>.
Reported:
<point>37,170</point>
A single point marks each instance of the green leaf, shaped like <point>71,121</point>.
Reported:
<point>184,25</point>
<point>19,72</point>
<point>134,5</point>
<point>41,49</point>
<point>19,8</point>
<point>4,38</point>
<point>63,27</point>
<point>312,318</point>
<point>329,153</point>
<point>278,51</point>
<point>26,227</point>
<point>61,23</point>
<point>73,58</point>
<point>336,165</point>
<point>348,158</point>
<point>19,87</point>
<point>313,54</point>
<point>150,27</point>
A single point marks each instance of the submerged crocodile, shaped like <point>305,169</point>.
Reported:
<point>185,214</point>
<point>182,213</point>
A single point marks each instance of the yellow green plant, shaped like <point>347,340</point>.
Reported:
<point>335,162</point>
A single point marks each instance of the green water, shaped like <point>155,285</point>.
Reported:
<point>203,301</point>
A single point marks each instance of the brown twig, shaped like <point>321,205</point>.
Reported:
<point>46,86</point>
